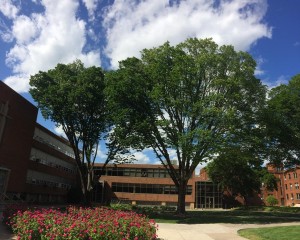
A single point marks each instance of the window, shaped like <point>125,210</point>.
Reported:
<point>295,175</point>
<point>286,187</point>
<point>289,176</point>
<point>284,177</point>
<point>147,188</point>
<point>287,197</point>
<point>298,196</point>
<point>291,186</point>
<point>296,185</point>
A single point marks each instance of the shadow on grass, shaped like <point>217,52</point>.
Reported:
<point>230,216</point>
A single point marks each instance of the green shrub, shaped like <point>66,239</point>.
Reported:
<point>271,200</point>
<point>121,206</point>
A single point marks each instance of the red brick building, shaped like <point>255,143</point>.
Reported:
<point>288,193</point>
<point>35,164</point>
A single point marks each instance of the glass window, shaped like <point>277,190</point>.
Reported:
<point>295,175</point>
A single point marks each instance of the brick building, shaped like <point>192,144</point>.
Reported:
<point>35,164</point>
<point>288,190</point>
<point>150,184</point>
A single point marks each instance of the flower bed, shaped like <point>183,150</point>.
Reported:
<point>81,223</point>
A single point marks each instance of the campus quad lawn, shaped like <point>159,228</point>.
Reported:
<point>240,216</point>
<point>272,233</point>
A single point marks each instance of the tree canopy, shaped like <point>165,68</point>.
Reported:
<point>282,123</point>
<point>73,97</point>
<point>240,173</point>
<point>186,102</point>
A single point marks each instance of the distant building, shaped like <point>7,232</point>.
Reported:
<point>35,164</point>
<point>150,184</point>
<point>288,190</point>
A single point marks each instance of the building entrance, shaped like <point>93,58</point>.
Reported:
<point>209,202</point>
<point>208,195</point>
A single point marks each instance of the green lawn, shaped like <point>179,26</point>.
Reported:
<point>228,216</point>
<point>272,233</point>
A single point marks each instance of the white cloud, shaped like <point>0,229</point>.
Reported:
<point>259,71</point>
<point>132,26</point>
<point>8,9</point>
<point>25,29</point>
<point>91,6</point>
<point>45,39</point>
<point>282,79</point>
<point>59,131</point>
<point>141,158</point>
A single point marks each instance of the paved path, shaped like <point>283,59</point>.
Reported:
<point>213,231</point>
<point>167,231</point>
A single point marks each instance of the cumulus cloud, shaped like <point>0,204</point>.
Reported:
<point>132,26</point>
<point>45,39</point>
<point>59,131</point>
<point>91,6</point>
<point>9,9</point>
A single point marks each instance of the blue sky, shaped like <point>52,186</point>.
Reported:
<point>37,34</point>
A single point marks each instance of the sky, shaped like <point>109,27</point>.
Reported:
<point>38,34</point>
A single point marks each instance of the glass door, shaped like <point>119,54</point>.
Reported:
<point>209,202</point>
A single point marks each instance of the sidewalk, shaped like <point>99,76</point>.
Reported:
<point>212,231</point>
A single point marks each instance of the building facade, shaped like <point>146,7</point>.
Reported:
<point>150,184</point>
<point>288,189</point>
<point>35,164</point>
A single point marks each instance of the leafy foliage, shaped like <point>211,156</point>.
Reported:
<point>282,121</point>
<point>73,97</point>
<point>188,100</point>
<point>271,200</point>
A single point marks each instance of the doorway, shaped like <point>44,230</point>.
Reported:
<point>209,202</point>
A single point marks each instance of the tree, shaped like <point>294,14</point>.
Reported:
<point>188,99</point>
<point>271,200</point>
<point>282,123</point>
<point>73,97</point>
<point>240,173</point>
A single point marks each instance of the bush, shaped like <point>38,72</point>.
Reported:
<point>12,209</point>
<point>82,223</point>
<point>121,206</point>
<point>271,200</point>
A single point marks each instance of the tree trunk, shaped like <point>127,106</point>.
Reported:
<point>181,198</point>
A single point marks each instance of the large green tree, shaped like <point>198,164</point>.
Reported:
<point>190,99</point>
<point>73,97</point>
<point>282,123</point>
<point>240,173</point>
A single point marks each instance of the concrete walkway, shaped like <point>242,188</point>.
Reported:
<point>168,231</point>
<point>213,231</point>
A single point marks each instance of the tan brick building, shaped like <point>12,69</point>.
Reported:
<point>150,184</point>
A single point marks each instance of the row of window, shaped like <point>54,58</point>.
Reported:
<point>51,164</point>
<point>133,172</point>
<point>52,145</point>
<point>291,186</point>
<point>292,196</point>
<point>46,183</point>
<point>289,175</point>
<point>147,188</point>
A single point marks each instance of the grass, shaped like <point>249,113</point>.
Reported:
<point>272,233</point>
<point>237,216</point>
